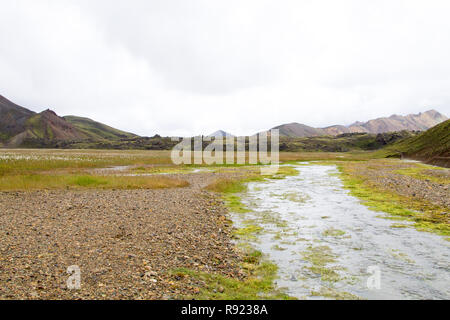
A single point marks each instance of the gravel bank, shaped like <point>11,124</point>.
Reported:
<point>124,241</point>
<point>383,174</point>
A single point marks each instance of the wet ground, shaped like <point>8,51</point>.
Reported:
<point>328,245</point>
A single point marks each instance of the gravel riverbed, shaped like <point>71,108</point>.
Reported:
<point>125,242</point>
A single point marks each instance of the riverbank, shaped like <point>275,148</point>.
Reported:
<point>125,242</point>
<point>406,190</point>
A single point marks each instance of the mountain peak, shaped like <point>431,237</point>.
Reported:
<point>49,112</point>
<point>220,134</point>
<point>435,114</point>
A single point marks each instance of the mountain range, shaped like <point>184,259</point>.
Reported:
<point>412,122</point>
<point>20,127</point>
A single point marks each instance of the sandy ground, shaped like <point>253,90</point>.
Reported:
<point>125,242</point>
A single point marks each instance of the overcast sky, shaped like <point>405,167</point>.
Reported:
<point>182,67</point>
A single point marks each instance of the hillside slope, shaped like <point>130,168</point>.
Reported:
<point>96,130</point>
<point>12,118</point>
<point>431,146</point>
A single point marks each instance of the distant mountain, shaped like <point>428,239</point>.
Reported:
<point>336,130</point>
<point>22,127</point>
<point>299,130</point>
<point>220,134</point>
<point>431,146</point>
<point>412,122</point>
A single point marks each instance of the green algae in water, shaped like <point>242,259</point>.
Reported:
<point>332,232</point>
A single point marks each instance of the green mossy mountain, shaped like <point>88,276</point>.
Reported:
<point>12,118</point>
<point>431,146</point>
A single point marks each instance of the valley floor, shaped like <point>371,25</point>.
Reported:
<point>161,241</point>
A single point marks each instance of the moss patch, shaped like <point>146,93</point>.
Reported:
<point>332,293</point>
<point>258,283</point>
<point>332,232</point>
<point>320,257</point>
<point>248,232</point>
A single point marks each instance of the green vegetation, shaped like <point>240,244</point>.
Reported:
<point>285,171</point>
<point>295,196</point>
<point>426,216</point>
<point>228,187</point>
<point>332,232</point>
<point>261,275</point>
<point>332,293</point>
<point>169,169</point>
<point>319,257</point>
<point>97,130</point>
<point>36,127</point>
<point>401,256</point>
<point>44,169</point>
<point>342,143</point>
<point>432,146</point>
<point>40,161</point>
<point>258,284</point>
<point>45,182</point>
<point>238,185</point>
<point>248,232</point>
<point>425,172</point>
<point>235,204</point>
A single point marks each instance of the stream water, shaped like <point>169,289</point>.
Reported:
<point>328,245</point>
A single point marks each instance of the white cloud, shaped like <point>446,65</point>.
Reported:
<point>188,67</point>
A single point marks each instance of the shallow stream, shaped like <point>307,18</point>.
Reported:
<point>328,245</point>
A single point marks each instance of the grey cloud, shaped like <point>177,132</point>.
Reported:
<point>186,67</point>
